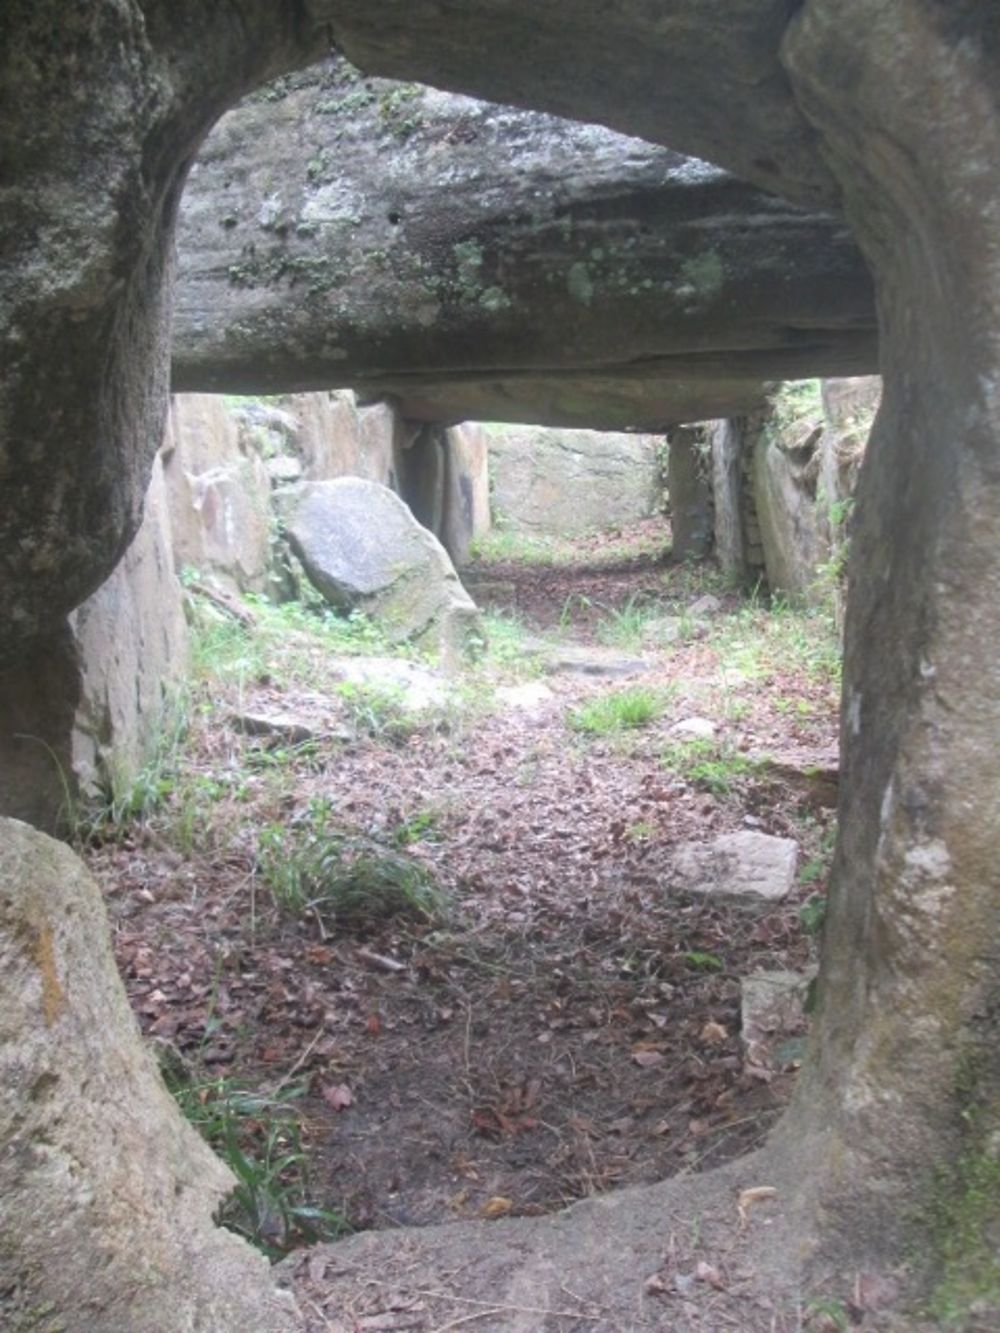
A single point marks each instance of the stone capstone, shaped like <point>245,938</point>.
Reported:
<point>106,1192</point>
<point>748,867</point>
<point>486,263</point>
<point>361,547</point>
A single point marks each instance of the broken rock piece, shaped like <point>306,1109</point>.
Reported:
<point>748,866</point>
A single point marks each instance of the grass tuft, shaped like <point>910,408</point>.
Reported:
<point>623,711</point>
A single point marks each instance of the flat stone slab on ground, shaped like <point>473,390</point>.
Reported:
<point>697,728</point>
<point>587,661</point>
<point>747,866</point>
<point>286,726</point>
<point>532,694</point>
<point>418,687</point>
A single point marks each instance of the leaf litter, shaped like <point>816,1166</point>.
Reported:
<point>560,1033</point>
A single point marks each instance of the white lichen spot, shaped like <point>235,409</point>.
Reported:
<point>885,811</point>
<point>854,713</point>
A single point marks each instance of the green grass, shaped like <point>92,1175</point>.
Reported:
<point>710,764</point>
<point>289,643</point>
<point>761,641</point>
<point>346,880</point>
<point>625,710</point>
<point>259,1137</point>
<point>639,624</point>
<point>503,545</point>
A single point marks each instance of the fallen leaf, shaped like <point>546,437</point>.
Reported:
<point>709,1273</point>
<point>655,1284</point>
<point>498,1206</point>
<point>339,1096</point>
<point>646,1059</point>
<point>749,1197</point>
<point>714,1033</point>
<point>373,1025</point>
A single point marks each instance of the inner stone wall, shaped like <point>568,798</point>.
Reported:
<point>549,481</point>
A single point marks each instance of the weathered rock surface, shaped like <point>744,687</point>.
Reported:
<point>785,484</point>
<point>85,712</point>
<point>569,481</point>
<point>336,437</point>
<point>591,660</point>
<point>106,1193</point>
<point>220,493</point>
<point>362,548</point>
<point>904,97</point>
<point>746,866</point>
<point>481,262</point>
<point>466,515</point>
<point>773,1017</point>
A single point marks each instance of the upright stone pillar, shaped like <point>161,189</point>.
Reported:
<point>689,483</point>
<point>900,1110</point>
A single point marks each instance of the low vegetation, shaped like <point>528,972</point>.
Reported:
<point>621,711</point>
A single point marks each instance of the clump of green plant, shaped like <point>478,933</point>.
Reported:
<point>703,962</point>
<point>963,1218</point>
<point>622,711</point>
<point>378,710</point>
<point>708,763</point>
<point>796,403</point>
<point>126,800</point>
<point>627,626</point>
<point>345,879</point>
<point>286,642</point>
<point>259,1137</point>
<point>423,826</point>
<point>508,645</point>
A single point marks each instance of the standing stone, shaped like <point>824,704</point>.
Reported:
<point>785,474</point>
<point>327,436</point>
<point>362,548</point>
<point>85,711</point>
<point>466,491</point>
<point>690,486</point>
<point>219,493</point>
<point>420,476</point>
<point>106,1193</point>
<point>901,1100</point>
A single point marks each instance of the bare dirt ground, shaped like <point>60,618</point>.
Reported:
<point>570,1024</point>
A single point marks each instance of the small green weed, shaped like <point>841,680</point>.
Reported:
<point>378,710</point>
<point>423,826</point>
<point>812,914</point>
<point>637,624</point>
<point>623,711</point>
<point>508,646</point>
<point>707,763</point>
<point>835,1311</point>
<point>703,962</point>
<point>259,1137</point>
<point>127,800</point>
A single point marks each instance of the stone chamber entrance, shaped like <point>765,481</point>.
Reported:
<point>575,970</point>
